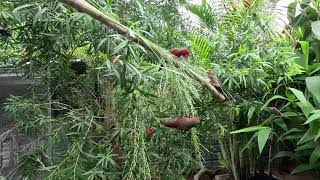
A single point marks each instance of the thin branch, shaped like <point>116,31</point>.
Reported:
<point>85,7</point>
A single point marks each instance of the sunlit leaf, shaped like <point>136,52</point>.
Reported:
<point>316,28</point>
<point>313,117</point>
<point>263,136</point>
<point>249,129</point>
<point>250,113</point>
<point>313,85</point>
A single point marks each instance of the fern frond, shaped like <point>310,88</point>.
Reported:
<point>202,45</point>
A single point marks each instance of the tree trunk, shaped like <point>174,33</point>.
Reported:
<point>110,118</point>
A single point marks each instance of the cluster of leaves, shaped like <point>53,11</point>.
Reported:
<point>65,111</point>
<point>297,100</point>
<point>300,122</point>
<point>250,59</point>
<point>235,41</point>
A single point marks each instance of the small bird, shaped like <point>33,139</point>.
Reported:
<point>149,131</point>
<point>214,80</point>
<point>178,52</point>
<point>182,123</point>
<point>275,111</point>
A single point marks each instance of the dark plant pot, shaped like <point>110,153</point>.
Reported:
<point>256,177</point>
<point>299,176</point>
<point>222,177</point>
<point>262,177</point>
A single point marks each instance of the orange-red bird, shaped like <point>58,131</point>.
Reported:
<point>182,123</point>
<point>178,52</point>
<point>149,131</point>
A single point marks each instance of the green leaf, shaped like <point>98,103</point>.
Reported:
<point>250,113</point>
<point>299,95</point>
<point>305,51</point>
<point>281,123</point>
<point>313,85</point>
<point>249,142</point>
<point>263,136</point>
<point>306,108</point>
<point>318,135</point>
<point>291,12</point>
<point>118,48</point>
<point>305,105</point>
<point>282,154</point>
<point>293,133</point>
<point>21,7</point>
<point>249,129</point>
<point>301,168</point>
<point>104,56</point>
<point>38,15</point>
<point>309,135</point>
<point>291,114</point>
<point>316,29</point>
<point>290,95</point>
<point>313,117</point>
<point>271,99</point>
<point>314,157</point>
<point>309,145</point>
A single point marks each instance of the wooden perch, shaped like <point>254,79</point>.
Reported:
<point>85,7</point>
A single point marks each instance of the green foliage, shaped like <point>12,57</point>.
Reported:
<point>315,29</point>
<point>249,58</point>
<point>305,137</point>
<point>71,115</point>
<point>66,111</point>
<point>304,32</point>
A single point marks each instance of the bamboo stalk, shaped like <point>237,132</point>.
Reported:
<point>85,7</point>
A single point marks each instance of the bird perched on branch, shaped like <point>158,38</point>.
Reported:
<point>182,123</point>
<point>215,82</point>
<point>149,131</point>
<point>275,111</point>
<point>178,52</point>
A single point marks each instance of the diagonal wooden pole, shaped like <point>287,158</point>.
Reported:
<point>85,7</point>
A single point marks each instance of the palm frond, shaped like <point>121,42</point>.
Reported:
<point>205,12</point>
<point>201,46</point>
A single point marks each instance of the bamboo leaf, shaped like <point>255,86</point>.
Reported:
<point>250,113</point>
<point>313,85</point>
<point>249,129</point>
<point>310,145</point>
<point>316,29</point>
<point>282,154</point>
<point>298,95</point>
<point>313,117</point>
<point>118,48</point>
<point>309,135</point>
<point>301,168</point>
<point>263,136</point>
<point>271,99</point>
<point>305,50</point>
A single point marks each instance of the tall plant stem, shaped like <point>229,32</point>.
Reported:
<point>85,7</point>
